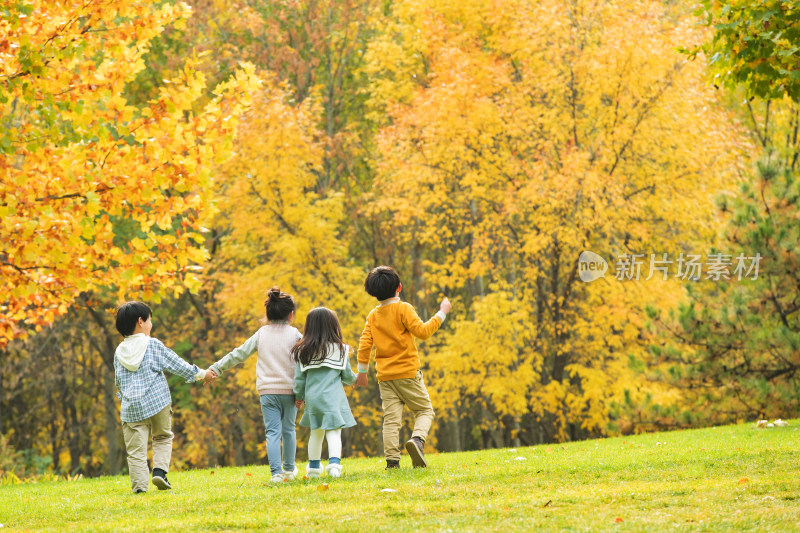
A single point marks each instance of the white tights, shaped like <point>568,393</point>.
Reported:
<point>334,438</point>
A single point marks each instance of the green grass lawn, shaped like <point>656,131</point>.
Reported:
<point>719,479</point>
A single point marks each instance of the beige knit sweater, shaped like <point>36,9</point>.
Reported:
<point>275,367</point>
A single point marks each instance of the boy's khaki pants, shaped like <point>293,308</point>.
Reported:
<point>137,435</point>
<point>394,394</point>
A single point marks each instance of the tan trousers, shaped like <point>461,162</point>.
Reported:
<point>395,394</point>
<point>137,435</point>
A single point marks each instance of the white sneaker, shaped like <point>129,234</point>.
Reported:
<point>290,476</point>
<point>276,478</point>
<point>313,472</point>
<point>334,470</point>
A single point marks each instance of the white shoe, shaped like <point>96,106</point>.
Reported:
<point>313,472</point>
<point>276,478</point>
<point>334,470</point>
<point>290,476</point>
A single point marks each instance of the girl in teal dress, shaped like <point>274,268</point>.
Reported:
<point>323,368</point>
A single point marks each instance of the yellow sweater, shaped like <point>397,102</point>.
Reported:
<point>391,328</point>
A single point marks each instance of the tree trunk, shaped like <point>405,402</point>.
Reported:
<point>516,442</point>
<point>113,463</point>
<point>106,346</point>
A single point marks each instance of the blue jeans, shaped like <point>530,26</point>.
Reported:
<point>279,414</point>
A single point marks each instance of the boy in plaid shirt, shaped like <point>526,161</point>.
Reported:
<point>146,409</point>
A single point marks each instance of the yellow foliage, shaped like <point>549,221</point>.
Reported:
<point>276,228</point>
<point>85,172</point>
<point>542,130</point>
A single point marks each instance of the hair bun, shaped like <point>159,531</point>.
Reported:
<point>275,292</point>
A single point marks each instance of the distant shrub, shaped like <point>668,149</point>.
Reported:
<point>25,467</point>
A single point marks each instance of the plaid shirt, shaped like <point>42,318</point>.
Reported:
<point>145,392</point>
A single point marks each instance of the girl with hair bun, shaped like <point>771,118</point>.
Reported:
<point>274,379</point>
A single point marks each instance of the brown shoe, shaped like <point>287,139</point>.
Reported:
<point>392,464</point>
<point>414,449</point>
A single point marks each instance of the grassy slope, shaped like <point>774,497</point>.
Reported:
<point>727,479</point>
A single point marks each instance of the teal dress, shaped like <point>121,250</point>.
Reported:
<point>321,386</point>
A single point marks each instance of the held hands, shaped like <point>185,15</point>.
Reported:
<point>211,377</point>
<point>299,403</point>
<point>361,380</point>
<point>445,306</point>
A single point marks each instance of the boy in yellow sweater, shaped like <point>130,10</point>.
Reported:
<point>391,328</point>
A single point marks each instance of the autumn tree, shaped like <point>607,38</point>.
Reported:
<point>754,44</point>
<point>301,160</point>
<point>314,52</point>
<point>478,147</point>
<point>733,348</point>
<point>521,134</point>
<point>56,396</point>
<point>97,192</point>
<point>317,48</point>
<point>275,227</point>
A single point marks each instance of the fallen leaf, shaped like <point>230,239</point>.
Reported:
<point>743,481</point>
<point>248,474</point>
<point>323,486</point>
<point>212,472</point>
<point>618,520</point>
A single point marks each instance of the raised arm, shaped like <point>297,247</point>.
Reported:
<point>418,328</point>
<point>237,356</point>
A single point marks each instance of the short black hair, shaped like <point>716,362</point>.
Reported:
<point>279,305</point>
<point>382,282</point>
<point>128,315</point>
